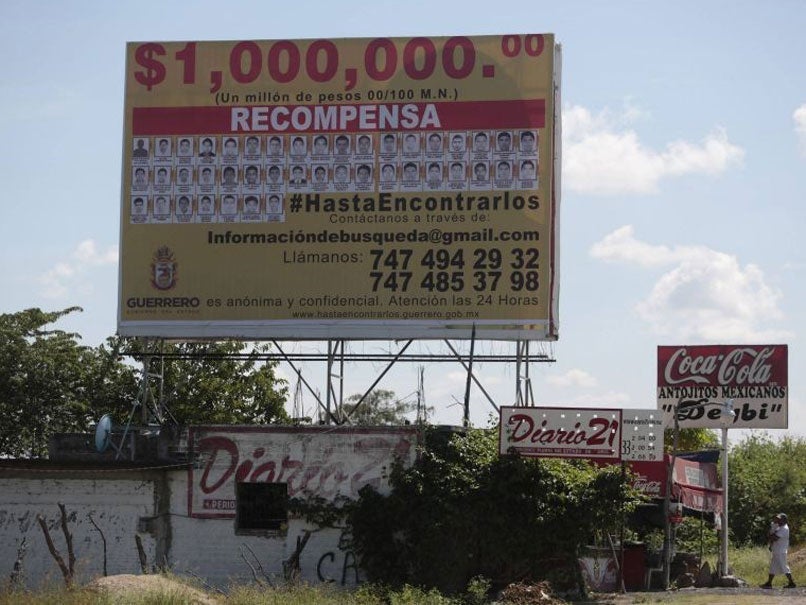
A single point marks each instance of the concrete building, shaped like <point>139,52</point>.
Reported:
<point>213,503</point>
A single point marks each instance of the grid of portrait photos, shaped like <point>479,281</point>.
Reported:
<point>246,178</point>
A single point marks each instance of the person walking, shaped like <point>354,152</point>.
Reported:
<point>779,546</point>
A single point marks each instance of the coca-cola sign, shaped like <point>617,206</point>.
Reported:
<point>699,382</point>
<point>561,432</point>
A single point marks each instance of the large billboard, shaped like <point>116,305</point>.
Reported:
<point>698,382</point>
<point>348,188</point>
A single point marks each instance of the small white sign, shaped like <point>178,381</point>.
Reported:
<point>642,435</point>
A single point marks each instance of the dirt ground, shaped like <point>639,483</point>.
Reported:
<point>709,596</point>
<point>127,584</point>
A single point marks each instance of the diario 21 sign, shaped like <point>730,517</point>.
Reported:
<point>561,432</point>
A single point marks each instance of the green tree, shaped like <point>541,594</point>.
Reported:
<point>766,477</point>
<point>224,382</point>
<point>690,440</point>
<point>51,383</point>
<point>463,511</point>
<point>379,407</point>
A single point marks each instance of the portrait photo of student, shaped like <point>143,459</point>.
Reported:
<point>207,148</point>
<point>389,144</point>
<point>275,146</point>
<point>411,173</point>
<point>458,143</point>
<point>139,207</point>
<point>140,151</point>
<point>162,178</point>
<point>480,176</point>
<point>528,142</point>
<point>274,176</point>
<point>206,205</point>
<point>527,171</point>
<point>363,146</point>
<point>298,146</point>
<point>457,172</point>
<point>229,177</point>
<point>274,205</point>
<point>251,179</point>
<point>183,207</point>
<point>140,179</point>
<point>184,178</point>
<point>162,207</point>
<point>319,176</point>
<point>252,147</point>
<point>503,174</point>
<point>298,177</point>
<point>433,144</point>
<point>163,148</point>
<point>481,172</point>
<point>388,173</point>
<point>411,144</point>
<point>433,175</point>
<point>230,148</point>
<point>363,175</point>
<point>503,142</point>
<point>206,177</point>
<point>341,174</point>
<point>481,142</point>
<point>342,144</point>
<point>320,145</point>
<point>251,205</point>
<point>185,148</point>
<point>229,205</point>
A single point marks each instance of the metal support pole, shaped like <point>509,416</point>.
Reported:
<point>724,537</point>
<point>668,536</point>
<point>469,382</point>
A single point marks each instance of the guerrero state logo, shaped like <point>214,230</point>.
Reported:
<point>164,269</point>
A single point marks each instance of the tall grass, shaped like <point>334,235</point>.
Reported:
<point>752,564</point>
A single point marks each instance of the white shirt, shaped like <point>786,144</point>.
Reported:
<point>781,545</point>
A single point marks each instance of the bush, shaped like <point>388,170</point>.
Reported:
<point>765,479</point>
<point>462,511</point>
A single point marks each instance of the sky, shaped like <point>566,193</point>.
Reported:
<point>683,176</point>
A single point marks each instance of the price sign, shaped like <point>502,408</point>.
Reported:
<point>320,61</point>
<point>642,435</point>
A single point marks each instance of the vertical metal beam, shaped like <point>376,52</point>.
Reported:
<point>466,415</point>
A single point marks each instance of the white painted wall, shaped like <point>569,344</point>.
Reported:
<point>199,540</point>
<point>115,505</point>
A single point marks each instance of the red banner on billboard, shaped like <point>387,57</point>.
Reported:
<point>699,381</point>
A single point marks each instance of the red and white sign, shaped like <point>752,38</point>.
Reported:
<point>311,461</point>
<point>696,485</point>
<point>561,432</point>
<point>650,477</point>
<point>699,380</point>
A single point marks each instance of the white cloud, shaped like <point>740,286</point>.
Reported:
<point>572,378</point>
<point>799,116</point>
<point>603,155</point>
<point>704,294</point>
<point>58,281</point>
